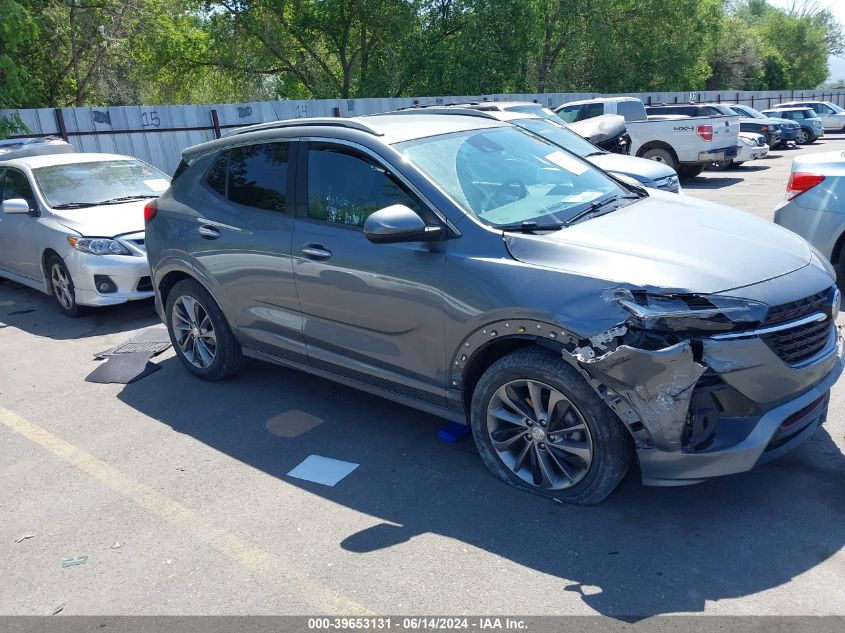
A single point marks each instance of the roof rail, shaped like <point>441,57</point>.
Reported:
<point>424,106</point>
<point>483,114</point>
<point>352,124</point>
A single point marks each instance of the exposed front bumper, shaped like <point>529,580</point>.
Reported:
<point>749,152</point>
<point>773,138</point>
<point>739,445</point>
<point>130,276</point>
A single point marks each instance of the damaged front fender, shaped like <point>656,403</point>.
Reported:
<point>657,384</point>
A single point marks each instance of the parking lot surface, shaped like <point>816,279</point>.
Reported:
<point>177,493</point>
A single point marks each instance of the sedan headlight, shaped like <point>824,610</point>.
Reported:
<point>747,141</point>
<point>98,246</point>
<point>688,312</point>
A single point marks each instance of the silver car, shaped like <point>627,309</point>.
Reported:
<point>813,207</point>
<point>832,116</point>
<point>72,225</point>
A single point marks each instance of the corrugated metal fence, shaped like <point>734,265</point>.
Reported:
<point>158,134</point>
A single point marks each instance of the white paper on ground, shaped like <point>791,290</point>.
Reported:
<point>322,470</point>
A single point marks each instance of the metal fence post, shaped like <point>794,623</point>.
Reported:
<point>60,123</point>
<point>215,123</point>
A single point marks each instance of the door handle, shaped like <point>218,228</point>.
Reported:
<point>316,251</point>
<point>208,232</point>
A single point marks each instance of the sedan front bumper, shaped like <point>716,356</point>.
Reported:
<point>129,277</point>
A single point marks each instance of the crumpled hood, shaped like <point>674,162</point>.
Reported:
<point>667,241</point>
<point>106,221</point>
<point>640,169</point>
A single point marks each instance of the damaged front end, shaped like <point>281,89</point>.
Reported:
<point>702,389</point>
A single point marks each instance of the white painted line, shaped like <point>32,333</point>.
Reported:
<point>322,470</point>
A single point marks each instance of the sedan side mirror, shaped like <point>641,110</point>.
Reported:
<point>15,205</point>
<point>398,223</point>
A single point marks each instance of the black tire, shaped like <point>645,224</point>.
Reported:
<point>661,156</point>
<point>610,442</point>
<point>62,288</point>
<point>227,357</point>
<point>734,164</point>
<point>689,171</point>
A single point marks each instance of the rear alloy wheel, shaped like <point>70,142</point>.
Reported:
<point>663,156</point>
<point>194,332</point>
<point>200,334</point>
<point>61,284</point>
<point>539,426</point>
<point>803,137</point>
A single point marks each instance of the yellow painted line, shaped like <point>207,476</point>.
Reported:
<point>231,545</point>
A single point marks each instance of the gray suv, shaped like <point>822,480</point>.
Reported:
<point>465,267</point>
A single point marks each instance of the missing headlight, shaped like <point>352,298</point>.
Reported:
<point>687,313</point>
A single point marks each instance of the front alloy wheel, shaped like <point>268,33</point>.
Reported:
<point>63,289</point>
<point>540,426</point>
<point>539,434</point>
<point>194,332</point>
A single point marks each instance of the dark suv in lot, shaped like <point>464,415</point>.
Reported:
<point>465,267</point>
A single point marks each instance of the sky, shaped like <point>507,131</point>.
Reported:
<point>836,65</point>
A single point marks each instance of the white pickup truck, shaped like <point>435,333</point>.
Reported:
<point>686,144</point>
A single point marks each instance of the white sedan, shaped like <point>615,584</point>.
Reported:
<point>72,226</point>
<point>751,147</point>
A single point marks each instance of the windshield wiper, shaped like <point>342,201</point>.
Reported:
<point>74,205</point>
<point>595,207</point>
<point>529,227</point>
<point>142,196</point>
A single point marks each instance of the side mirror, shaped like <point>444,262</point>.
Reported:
<point>15,205</point>
<point>398,223</point>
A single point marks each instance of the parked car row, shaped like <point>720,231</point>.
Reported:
<point>483,264</point>
<point>696,123</point>
<point>686,144</point>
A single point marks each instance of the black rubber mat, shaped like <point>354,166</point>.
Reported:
<point>123,368</point>
<point>154,340</point>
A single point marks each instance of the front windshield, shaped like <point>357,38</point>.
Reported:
<point>89,184</point>
<point>751,112</point>
<point>537,110</point>
<point>506,176</point>
<point>559,135</point>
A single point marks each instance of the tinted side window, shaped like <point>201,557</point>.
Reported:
<point>346,187</point>
<point>631,110</point>
<point>569,113</point>
<point>592,109</point>
<point>15,185</point>
<point>215,177</point>
<point>258,175</point>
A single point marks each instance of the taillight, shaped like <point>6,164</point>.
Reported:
<point>150,211</point>
<point>705,132</point>
<point>799,182</point>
